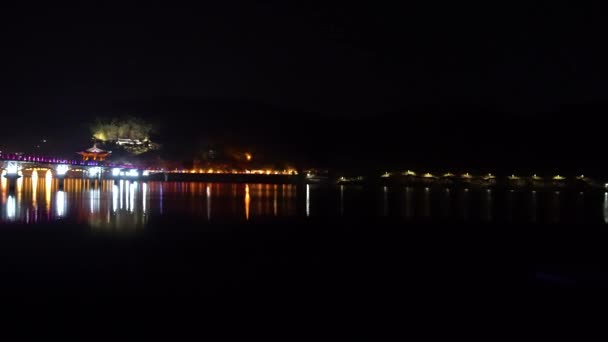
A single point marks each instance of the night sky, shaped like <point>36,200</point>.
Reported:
<point>425,74</point>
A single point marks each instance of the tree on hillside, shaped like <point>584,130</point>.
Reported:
<point>130,127</point>
<point>129,133</point>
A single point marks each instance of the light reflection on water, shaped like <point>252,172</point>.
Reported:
<point>61,204</point>
<point>11,208</point>
<point>130,205</point>
<point>488,202</point>
<point>307,200</point>
<point>446,205</point>
<point>3,181</point>
<point>465,203</point>
<point>606,207</point>
<point>533,206</point>
<point>341,200</point>
<point>247,201</point>
<point>208,200</point>
<point>385,201</point>
<point>144,200</point>
<point>34,190</point>
<point>427,202</point>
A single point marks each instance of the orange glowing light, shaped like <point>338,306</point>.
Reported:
<point>248,156</point>
<point>247,201</point>
<point>3,181</point>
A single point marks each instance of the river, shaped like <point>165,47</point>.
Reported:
<point>129,206</point>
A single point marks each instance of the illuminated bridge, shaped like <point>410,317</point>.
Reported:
<point>12,167</point>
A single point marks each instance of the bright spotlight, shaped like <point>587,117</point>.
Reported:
<point>62,169</point>
<point>94,171</point>
<point>12,169</point>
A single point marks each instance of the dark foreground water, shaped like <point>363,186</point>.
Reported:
<point>294,246</point>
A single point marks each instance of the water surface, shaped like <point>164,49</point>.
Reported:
<point>131,205</point>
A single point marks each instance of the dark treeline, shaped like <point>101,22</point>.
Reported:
<point>566,141</point>
<point>450,138</point>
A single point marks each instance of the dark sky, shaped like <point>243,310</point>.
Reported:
<point>329,58</point>
<point>332,58</point>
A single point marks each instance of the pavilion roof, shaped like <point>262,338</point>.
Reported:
<point>95,149</point>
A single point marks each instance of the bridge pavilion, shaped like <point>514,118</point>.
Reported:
<point>94,153</point>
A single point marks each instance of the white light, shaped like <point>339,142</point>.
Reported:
<point>115,192</point>
<point>144,196</point>
<point>133,173</point>
<point>131,205</point>
<point>120,192</point>
<point>12,168</point>
<point>307,200</point>
<point>122,173</point>
<point>115,172</point>
<point>94,171</point>
<point>62,169</point>
<point>60,203</point>
<point>146,173</point>
<point>94,200</point>
<point>11,207</point>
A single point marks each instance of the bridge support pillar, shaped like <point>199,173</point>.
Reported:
<point>12,182</point>
<point>61,171</point>
<point>61,182</point>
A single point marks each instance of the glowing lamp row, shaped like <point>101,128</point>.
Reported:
<point>131,173</point>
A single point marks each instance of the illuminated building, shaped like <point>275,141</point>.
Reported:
<point>94,153</point>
